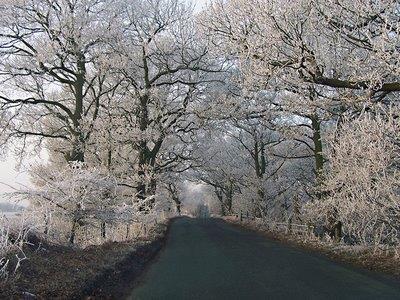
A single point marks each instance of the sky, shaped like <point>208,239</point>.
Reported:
<point>199,4</point>
<point>10,176</point>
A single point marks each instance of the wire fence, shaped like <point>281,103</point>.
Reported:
<point>288,227</point>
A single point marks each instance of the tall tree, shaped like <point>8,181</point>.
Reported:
<point>53,71</point>
<point>164,64</point>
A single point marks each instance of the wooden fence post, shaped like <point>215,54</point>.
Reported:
<point>128,229</point>
<point>289,226</point>
<point>338,231</point>
<point>310,230</point>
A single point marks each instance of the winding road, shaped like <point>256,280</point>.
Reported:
<point>210,259</point>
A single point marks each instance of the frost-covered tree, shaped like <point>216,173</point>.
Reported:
<point>322,59</point>
<point>54,71</point>
<point>218,169</point>
<point>362,187</point>
<point>264,104</point>
<point>309,41</point>
<point>74,193</point>
<point>164,63</point>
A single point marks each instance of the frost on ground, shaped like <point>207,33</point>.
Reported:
<point>13,236</point>
<point>378,259</point>
<point>284,111</point>
<point>106,270</point>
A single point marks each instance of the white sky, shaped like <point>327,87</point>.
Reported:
<point>10,176</point>
<point>199,3</point>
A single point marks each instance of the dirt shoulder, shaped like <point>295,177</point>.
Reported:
<point>379,261</point>
<point>98,272</point>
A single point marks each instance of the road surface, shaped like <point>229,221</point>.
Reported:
<point>210,259</point>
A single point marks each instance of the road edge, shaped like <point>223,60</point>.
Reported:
<point>366,263</point>
<point>118,281</point>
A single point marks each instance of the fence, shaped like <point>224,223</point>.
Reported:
<point>289,227</point>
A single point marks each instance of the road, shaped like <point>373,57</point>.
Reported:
<point>210,259</point>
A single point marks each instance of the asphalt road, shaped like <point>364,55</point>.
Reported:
<point>210,259</point>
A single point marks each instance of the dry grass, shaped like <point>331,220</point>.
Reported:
<point>377,260</point>
<point>60,272</point>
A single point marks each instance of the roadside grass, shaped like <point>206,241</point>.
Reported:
<point>384,261</point>
<point>97,272</point>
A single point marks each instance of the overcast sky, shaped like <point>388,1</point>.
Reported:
<point>199,3</point>
<point>9,176</point>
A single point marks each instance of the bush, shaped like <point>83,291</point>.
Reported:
<point>363,183</point>
<point>13,233</point>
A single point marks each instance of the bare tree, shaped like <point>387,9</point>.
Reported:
<point>53,74</point>
<point>164,65</point>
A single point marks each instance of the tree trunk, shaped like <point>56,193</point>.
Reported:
<point>261,195</point>
<point>128,229</point>
<point>178,208</point>
<point>220,198</point>
<point>103,230</point>
<point>229,200</point>
<point>78,152</point>
<point>141,186</point>
<point>152,187</point>
<point>338,231</point>
<point>260,164</point>
<point>73,231</point>
<point>77,155</point>
<point>318,156</point>
<point>46,223</point>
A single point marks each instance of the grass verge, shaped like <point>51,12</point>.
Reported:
<point>98,272</point>
<point>385,262</point>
